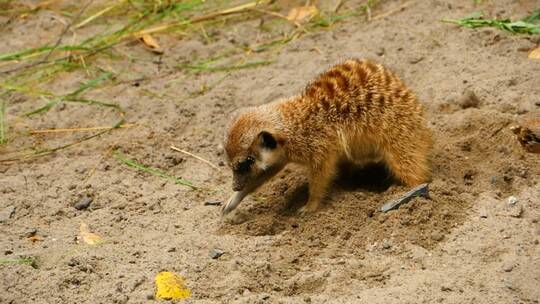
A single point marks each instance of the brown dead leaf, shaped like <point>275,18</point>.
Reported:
<point>151,43</point>
<point>34,238</point>
<point>535,54</point>
<point>88,237</point>
<point>302,13</point>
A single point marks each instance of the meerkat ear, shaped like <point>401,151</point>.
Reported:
<point>267,140</point>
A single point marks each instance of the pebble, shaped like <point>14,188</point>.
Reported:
<point>507,267</point>
<point>469,100</point>
<point>437,236</point>
<point>150,296</point>
<point>264,296</point>
<point>512,200</point>
<point>30,232</point>
<point>83,203</point>
<point>216,253</point>
<point>483,214</point>
<point>516,211</point>
<point>445,288</point>
<point>213,203</point>
<point>6,213</point>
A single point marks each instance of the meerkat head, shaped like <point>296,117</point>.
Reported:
<point>255,152</point>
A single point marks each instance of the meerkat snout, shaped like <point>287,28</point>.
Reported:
<point>355,112</point>
<point>254,158</point>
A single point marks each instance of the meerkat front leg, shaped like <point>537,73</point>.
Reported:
<point>320,177</point>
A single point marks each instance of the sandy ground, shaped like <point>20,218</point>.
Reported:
<point>464,245</point>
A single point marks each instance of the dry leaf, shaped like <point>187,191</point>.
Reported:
<point>535,54</point>
<point>170,286</point>
<point>151,43</point>
<point>88,237</point>
<point>34,239</point>
<point>302,13</point>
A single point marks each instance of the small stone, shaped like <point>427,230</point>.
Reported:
<point>512,200</point>
<point>83,203</point>
<point>507,267</point>
<point>213,203</point>
<point>264,296</point>
<point>483,214</point>
<point>469,100</point>
<point>537,103</point>
<point>516,211</point>
<point>445,288</point>
<point>437,236</point>
<point>30,232</point>
<point>150,296</point>
<point>416,60</point>
<point>380,51</point>
<point>216,254</point>
<point>221,164</point>
<point>172,249</point>
<point>6,213</point>
<point>346,235</point>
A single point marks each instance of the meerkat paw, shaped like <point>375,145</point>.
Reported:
<point>309,208</point>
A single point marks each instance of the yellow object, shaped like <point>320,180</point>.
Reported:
<point>88,237</point>
<point>170,286</point>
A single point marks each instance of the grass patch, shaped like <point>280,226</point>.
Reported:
<point>528,25</point>
<point>73,96</point>
<point>31,261</point>
<point>154,171</point>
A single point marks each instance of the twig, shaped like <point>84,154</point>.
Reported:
<point>53,150</point>
<point>66,29</point>
<point>234,10</point>
<point>79,129</point>
<point>298,25</point>
<point>98,14</point>
<point>195,156</point>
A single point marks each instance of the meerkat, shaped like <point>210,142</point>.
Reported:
<point>358,111</point>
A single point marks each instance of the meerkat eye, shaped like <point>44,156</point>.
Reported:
<point>245,165</point>
<point>267,140</point>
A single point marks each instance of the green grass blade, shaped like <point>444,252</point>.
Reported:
<point>40,50</point>
<point>533,18</point>
<point>90,84</point>
<point>516,27</point>
<point>227,68</point>
<point>154,171</point>
<point>21,261</point>
<point>45,108</point>
<point>95,102</point>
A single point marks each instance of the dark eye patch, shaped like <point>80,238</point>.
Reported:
<point>244,165</point>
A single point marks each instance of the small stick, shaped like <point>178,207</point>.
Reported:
<point>79,129</point>
<point>234,10</point>
<point>98,14</point>
<point>298,25</point>
<point>195,156</point>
